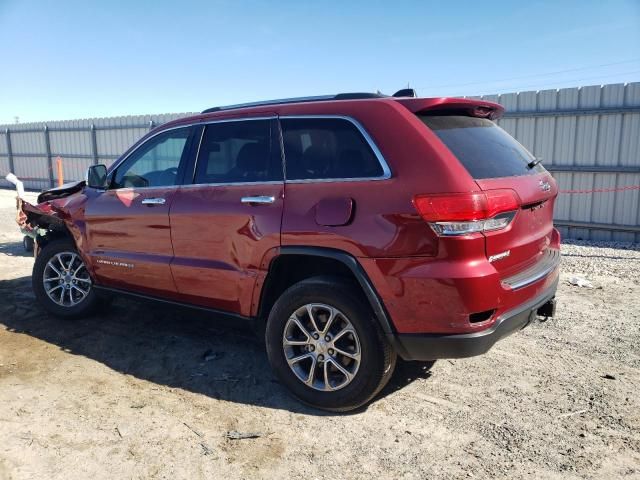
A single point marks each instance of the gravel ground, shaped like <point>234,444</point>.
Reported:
<point>142,391</point>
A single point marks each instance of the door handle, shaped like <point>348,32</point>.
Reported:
<point>259,200</point>
<point>153,201</point>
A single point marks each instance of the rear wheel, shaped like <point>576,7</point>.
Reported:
<point>325,345</point>
<point>61,281</point>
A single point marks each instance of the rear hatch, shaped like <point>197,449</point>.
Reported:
<point>497,161</point>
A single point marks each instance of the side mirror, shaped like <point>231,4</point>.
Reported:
<point>97,176</point>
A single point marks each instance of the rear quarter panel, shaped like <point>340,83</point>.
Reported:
<point>385,222</point>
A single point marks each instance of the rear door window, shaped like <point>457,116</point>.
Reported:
<point>239,152</point>
<point>485,149</point>
<point>327,148</point>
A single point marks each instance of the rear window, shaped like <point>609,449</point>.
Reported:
<point>486,150</point>
<point>326,148</point>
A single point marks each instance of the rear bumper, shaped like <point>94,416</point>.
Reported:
<point>438,295</point>
<point>423,347</point>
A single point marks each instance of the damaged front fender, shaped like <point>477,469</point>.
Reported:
<point>59,212</point>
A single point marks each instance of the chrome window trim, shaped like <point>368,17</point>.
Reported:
<point>386,171</point>
<point>141,188</point>
<point>195,160</point>
<point>232,184</point>
<point>119,162</point>
<point>218,184</point>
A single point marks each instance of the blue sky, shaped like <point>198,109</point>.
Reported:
<point>79,59</point>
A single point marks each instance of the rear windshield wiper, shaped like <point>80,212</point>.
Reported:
<point>534,162</point>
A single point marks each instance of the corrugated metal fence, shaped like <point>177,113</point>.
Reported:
<point>588,137</point>
<point>29,150</point>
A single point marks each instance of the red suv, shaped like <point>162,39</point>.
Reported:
<point>353,228</point>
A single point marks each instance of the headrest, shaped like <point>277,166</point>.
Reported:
<point>353,163</point>
<point>252,157</point>
<point>315,160</point>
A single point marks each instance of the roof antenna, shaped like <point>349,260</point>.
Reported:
<point>406,92</point>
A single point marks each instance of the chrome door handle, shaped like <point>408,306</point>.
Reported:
<point>259,200</point>
<point>153,201</point>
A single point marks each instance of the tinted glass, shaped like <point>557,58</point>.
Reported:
<point>239,151</point>
<point>318,148</point>
<point>155,163</point>
<point>482,147</point>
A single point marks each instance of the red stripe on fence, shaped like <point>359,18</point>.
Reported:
<point>603,190</point>
<point>29,179</point>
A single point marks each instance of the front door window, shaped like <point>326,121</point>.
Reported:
<point>155,163</point>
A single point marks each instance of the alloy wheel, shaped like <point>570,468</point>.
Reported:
<point>321,347</point>
<point>66,279</point>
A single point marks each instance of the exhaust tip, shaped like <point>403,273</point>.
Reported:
<point>481,316</point>
<point>548,309</point>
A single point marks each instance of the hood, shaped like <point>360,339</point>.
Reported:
<point>61,191</point>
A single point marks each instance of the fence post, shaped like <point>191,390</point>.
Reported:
<point>94,144</point>
<point>7,134</point>
<point>47,145</point>
<point>151,125</point>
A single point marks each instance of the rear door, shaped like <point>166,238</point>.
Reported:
<point>223,224</point>
<point>497,161</point>
<point>128,226</point>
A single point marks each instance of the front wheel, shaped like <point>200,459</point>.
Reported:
<point>61,281</point>
<point>27,243</point>
<point>326,347</point>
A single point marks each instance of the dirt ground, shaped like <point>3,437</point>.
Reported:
<point>143,391</point>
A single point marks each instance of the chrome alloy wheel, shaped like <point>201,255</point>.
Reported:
<point>321,347</point>
<point>66,279</point>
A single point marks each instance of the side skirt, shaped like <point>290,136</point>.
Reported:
<point>223,317</point>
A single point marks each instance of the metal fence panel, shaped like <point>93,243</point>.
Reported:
<point>67,142</point>
<point>34,170</point>
<point>588,137</point>
<point>4,164</point>
<point>80,143</point>
<point>3,146</point>
<point>28,142</point>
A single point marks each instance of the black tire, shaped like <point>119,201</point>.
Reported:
<point>81,309</point>
<point>27,243</point>
<point>377,360</point>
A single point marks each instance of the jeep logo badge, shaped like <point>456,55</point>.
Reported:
<point>544,185</point>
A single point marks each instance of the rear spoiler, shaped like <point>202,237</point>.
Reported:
<point>472,108</point>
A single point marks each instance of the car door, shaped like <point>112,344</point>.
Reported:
<point>223,224</point>
<point>128,229</point>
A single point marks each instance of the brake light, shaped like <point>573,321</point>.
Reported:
<point>483,112</point>
<point>465,213</point>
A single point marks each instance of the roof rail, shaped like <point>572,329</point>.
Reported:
<point>318,98</point>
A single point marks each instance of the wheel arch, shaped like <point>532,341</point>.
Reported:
<point>321,261</point>
<point>48,228</point>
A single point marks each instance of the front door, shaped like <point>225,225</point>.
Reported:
<point>223,224</point>
<point>127,225</point>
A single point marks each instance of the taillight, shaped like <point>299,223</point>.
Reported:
<point>465,213</point>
